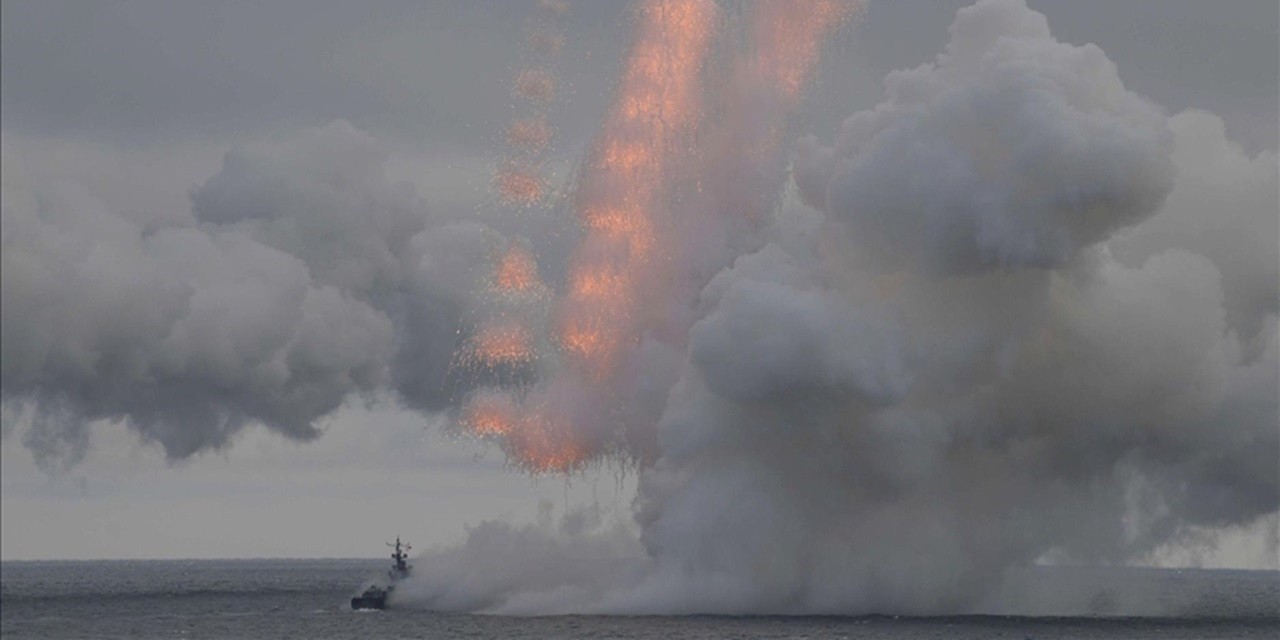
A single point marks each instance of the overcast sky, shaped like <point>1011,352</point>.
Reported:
<point>138,102</point>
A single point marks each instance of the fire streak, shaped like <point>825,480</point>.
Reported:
<point>622,189</point>
<point>789,36</point>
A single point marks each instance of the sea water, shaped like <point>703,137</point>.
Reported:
<point>253,599</point>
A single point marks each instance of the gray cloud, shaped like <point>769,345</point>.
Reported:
<point>1012,149</point>
<point>287,297</point>
<point>1223,207</point>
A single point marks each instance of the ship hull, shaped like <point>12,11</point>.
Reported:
<point>369,602</point>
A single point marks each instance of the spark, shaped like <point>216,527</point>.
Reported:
<point>517,272</point>
<point>519,185</point>
<point>502,342</point>
<point>489,413</point>
<point>529,134</point>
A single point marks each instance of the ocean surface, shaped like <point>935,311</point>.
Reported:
<point>253,599</point>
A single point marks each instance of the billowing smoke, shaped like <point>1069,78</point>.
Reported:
<point>1015,313</point>
<point>305,277</point>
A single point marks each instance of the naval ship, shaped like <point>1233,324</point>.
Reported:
<point>375,597</point>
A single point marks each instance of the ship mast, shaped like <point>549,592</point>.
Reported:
<point>400,555</point>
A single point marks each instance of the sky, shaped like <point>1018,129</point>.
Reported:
<point>143,105</point>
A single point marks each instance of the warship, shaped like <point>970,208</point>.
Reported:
<point>375,596</point>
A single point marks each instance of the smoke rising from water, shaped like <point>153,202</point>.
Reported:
<point>1014,313</point>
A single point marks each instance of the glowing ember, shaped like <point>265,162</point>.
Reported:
<point>542,444</point>
<point>490,413</point>
<point>529,134</point>
<point>517,272</point>
<point>656,104</point>
<point>535,85</point>
<point>533,437</point>
<point>600,283</point>
<point>519,185</point>
<point>502,343</point>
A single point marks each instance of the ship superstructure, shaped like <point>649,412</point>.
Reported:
<point>375,596</point>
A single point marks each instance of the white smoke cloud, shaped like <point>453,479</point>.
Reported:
<point>947,374</point>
